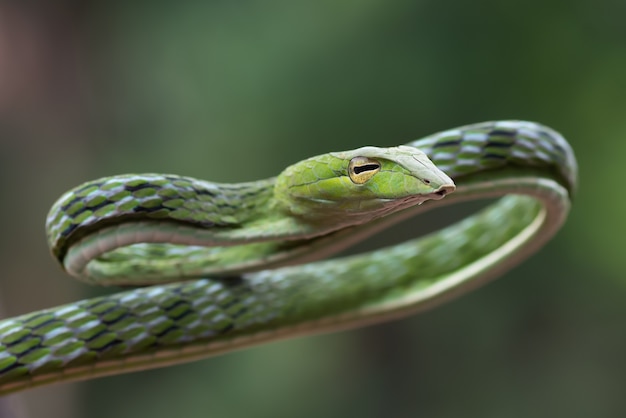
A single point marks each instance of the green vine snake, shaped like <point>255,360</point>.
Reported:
<point>226,266</point>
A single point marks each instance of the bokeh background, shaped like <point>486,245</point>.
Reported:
<point>237,90</point>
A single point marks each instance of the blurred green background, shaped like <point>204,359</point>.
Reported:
<point>237,90</point>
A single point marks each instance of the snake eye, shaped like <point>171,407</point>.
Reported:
<point>361,169</point>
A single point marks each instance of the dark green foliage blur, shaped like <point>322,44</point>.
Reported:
<point>237,90</point>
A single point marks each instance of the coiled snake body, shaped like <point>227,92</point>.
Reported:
<point>238,250</point>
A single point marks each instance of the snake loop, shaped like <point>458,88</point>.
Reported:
<point>240,249</point>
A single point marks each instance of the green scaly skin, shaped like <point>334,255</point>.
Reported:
<point>265,223</point>
<point>265,227</point>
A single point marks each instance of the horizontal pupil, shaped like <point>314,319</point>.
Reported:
<point>366,167</point>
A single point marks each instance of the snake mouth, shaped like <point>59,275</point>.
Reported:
<point>442,191</point>
<point>437,194</point>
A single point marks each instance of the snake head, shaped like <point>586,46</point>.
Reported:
<point>366,182</point>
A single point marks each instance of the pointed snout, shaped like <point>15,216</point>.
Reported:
<point>441,183</point>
